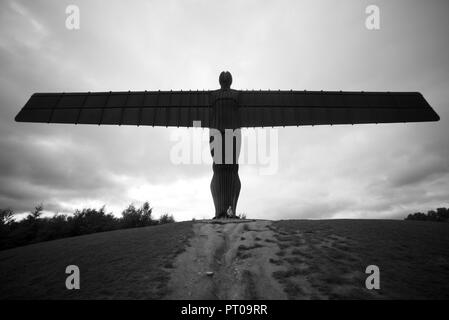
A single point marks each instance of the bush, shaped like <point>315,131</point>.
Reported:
<point>35,228</point>
<point>91,220</point>
<point>441,215</point>
<point>133,218</point>
<point>165,218</point>
<point>6,216</point>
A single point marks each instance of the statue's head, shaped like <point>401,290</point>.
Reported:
<point>225,80</point>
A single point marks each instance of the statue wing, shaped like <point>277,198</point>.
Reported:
<point>297,108</point>
<point>146,108</point>
<point>256,108</point>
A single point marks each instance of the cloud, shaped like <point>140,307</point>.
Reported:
<point>367,171</point>
<point>423,168</point>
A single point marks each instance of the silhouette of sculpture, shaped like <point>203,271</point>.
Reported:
<point>224,109</point>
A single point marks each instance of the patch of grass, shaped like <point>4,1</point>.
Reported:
<point>291,272</point>
<point>282,238</point>
<point>314,268</point>
<point>254,246</point>
<point>332,279</point>
<point>281,253</point>
<point>337,255</point>
<point>250,287</point>
<point>293,260</point>
<point>293,290</point>
<point>304,254</point>
<point>342,246</point>
<point>242,250</point>
<point>122,264</point>
<point>298,242</point>
<point>275,262</point>
<point>168,265</point>
<point>408,253</point>
<point>243,255</point>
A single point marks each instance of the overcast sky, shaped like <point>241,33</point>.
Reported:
<point>365,171</point>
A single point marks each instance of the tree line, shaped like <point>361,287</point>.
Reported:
<point>36,228</point>
<point>441,214</point>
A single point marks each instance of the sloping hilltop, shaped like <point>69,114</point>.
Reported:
<point>250,259</point>
<point>122,264</point>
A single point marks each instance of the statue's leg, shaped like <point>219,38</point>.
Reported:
<point>225,184</point>
<point>225,188</point>
<point>237,187</point>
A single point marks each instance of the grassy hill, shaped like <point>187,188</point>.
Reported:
<point>122,264</point>
<point>323,259</point>
<point>413,258</point>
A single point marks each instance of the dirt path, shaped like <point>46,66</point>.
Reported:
<point>254,259</point>
<point>227,261</point>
